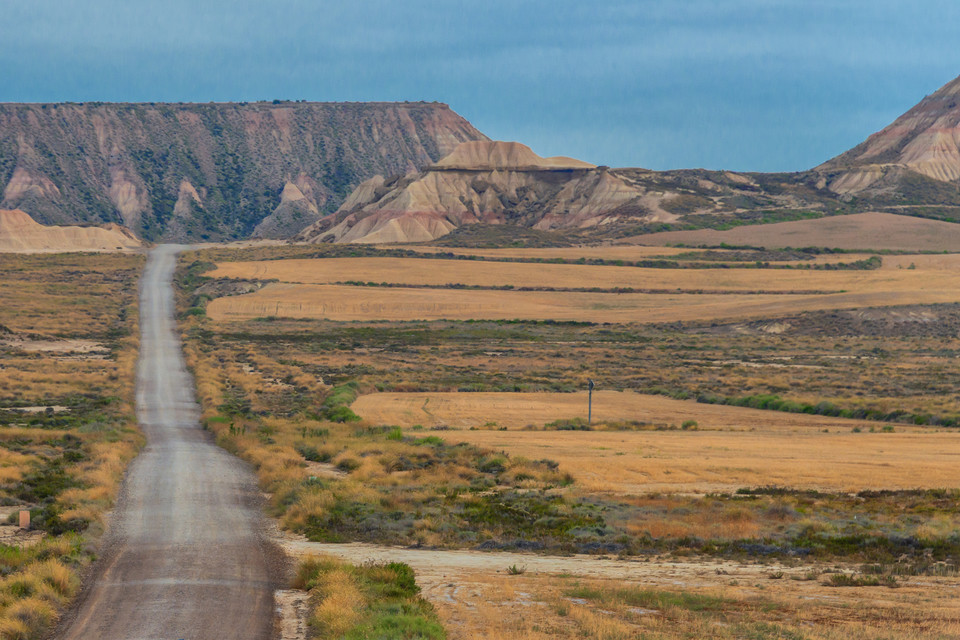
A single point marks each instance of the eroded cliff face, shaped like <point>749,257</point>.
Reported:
<point>505,183</point>
<point>480,182</point>
<point>19,233</point>
<point>925,141</point>
<point>211,171</point>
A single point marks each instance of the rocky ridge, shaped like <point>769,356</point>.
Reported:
<point>506,183</point>
<point>210,171</point>
<point>924,142</point>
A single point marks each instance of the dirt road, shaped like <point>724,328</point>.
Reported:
<point>186,556</point>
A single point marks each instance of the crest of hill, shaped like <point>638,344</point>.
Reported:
<point>19,233</point>
<point>497,155</point>
<point>924,141</point>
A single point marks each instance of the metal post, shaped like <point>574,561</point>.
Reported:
<point>589,401</point>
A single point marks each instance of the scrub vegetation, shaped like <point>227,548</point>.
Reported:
<point>283,393</point>
<point>68,348</point>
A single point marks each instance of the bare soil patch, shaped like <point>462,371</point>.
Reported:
<point>858,231</point>
<point>476,596</point>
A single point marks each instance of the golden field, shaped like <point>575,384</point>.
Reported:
<point>439,272</point>
<point>304,290</point>
<point>533,410</point>
<point>347,303</point>
<point>731,448</point>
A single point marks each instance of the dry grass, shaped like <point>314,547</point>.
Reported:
<point>519,410</point>
<point>638,480</point>
<point>732,447</point>
<point>346,303</point>
<point>303,294</point>
<point>668,600</point>
<point>74,346</point>
<point>416,271</point>
<point>612,252</point>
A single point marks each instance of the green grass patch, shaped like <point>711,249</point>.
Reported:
<point>379,601</point>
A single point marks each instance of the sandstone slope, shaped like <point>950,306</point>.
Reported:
<point>924,141</point>
<point>480,182</point>
<point>505,183</point>
<point>210,171</point>
<point>19,233</point>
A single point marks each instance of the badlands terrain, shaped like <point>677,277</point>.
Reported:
<point>381,425</point>
<point>395,172</point>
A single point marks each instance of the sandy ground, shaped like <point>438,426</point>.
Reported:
<point>858,231</point>
<point>186,555</point>
<point>86,347</point>
<point>476,598</point>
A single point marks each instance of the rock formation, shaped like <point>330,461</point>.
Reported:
<point>210,171</point>
<point>19,233</point>
<point>924,141</point>
<point>485,182</point>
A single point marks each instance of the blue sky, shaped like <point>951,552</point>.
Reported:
<point>762,85</point>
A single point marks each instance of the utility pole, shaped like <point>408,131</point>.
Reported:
<point>589,401</point>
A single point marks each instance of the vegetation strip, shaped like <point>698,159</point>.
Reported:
<point>507,287</point>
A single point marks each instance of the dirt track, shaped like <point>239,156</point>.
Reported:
<point>186,556</point>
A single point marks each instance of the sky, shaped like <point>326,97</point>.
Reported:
<point>749,85</point>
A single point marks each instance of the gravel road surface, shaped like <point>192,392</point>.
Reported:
<point>187,555</point>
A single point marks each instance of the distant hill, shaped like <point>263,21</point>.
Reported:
<point>414,172</point>
<point>860,231</point>
<point>19,233</point>
<point>919,151</point>
<point>505,183</point>
<point>210,171</point>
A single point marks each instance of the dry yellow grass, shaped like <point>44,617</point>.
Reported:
<point>345,303</point>
<point>517,410</point>
<point>733,447</point>
<point>74,319</point>
<point>302,294</point>
<point>418,271</point>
